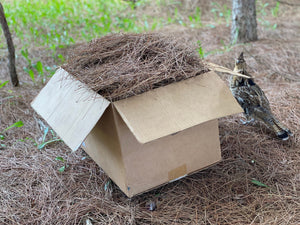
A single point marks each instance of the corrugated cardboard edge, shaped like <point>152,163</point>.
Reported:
<point>69,107</point>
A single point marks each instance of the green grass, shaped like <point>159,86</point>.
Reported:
<point>221,12</point>
<point>263,10</point>
<point>59,22</point>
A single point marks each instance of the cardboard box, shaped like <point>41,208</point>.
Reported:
<point>146,140</point>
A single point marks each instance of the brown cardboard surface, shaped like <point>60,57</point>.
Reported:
<point>69,107</point>
<point>102,144</point>
<point>178,106</point>
<point>154,163</point>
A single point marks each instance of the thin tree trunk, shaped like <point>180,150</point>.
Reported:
<point>244,24</point>
<point>11,48</point>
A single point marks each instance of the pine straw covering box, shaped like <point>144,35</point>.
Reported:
<point>149,137</point>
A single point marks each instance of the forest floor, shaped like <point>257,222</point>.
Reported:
<point>35,188</point>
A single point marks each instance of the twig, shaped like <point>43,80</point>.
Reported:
<point>222,69</point>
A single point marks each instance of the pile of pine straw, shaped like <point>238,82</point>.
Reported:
<point>118,66</point>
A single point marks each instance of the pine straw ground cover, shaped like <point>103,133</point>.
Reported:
<point>33,191</point>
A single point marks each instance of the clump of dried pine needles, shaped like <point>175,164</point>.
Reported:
<point>118,66</point>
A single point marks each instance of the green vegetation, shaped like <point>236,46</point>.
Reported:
<point>16,124</point>
<point>51,140</point>
<point>61,159</point>
<point>200,50</point>
<point>221,12</point>
<point>258,183</point>
<point>2,84</point>
<point>263,9</point>
<point>196,18</point>
<point>57,24</point>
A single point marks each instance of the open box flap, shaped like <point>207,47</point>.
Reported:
<point>70,107</point>
<point>178,106</point>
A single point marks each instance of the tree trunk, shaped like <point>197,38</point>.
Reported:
<point>244,24</point>
<point>11,48</point>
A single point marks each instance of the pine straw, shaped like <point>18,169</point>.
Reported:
<point>33,191</point>
<point>118,66</point>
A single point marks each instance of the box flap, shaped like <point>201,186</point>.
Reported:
<point>69,107</point>
<point>178,106</point>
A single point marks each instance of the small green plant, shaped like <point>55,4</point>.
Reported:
<point>195,19</point>
<point>2,84</point>
<point>52,140</point>
<point>226,47</point>
<point>28,68</point>
<point>61,58</point>
<point>28,139</point>
<point>61,159</point>
<point>221,12</point>
<point>275,10</point>
<point>200,50</point>
<point>261,11</point>
<point>16,124</point>
<point>39,67</point>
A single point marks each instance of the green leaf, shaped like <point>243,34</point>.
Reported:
<point>45,134</point>
<point>3,84</point>
<point>16,124</point>
<point>61,57</point>
<point>62,169</point>
<point>24,53</point>
<point>258,183</point>
<point>200,50</point>
<point>2,137</point>
<point>47,142</point>
<point>39,67</point>
<point>31,74</point>
<point>60,159</point>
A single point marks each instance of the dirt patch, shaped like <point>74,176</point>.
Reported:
<point>122,65</point>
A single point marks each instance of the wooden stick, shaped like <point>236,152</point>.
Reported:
<point>215,67</point>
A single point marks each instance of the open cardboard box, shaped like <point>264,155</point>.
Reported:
<point>146,140</point>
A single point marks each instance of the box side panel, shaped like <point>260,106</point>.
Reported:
<point>178,106</point>
<point>69,107</point>
<point>168,158</point>
<point>103,146</point>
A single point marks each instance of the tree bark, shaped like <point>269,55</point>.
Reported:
<point>11,48</point>
<point>244,26</point>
